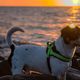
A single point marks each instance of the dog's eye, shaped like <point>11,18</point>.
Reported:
<point>26,49</point>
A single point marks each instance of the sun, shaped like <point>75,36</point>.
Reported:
<point>75,1</point>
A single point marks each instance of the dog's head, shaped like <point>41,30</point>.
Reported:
<point>71,35</point>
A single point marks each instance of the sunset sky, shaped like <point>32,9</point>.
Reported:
<point>39,2</point>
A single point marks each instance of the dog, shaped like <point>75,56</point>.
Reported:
<point>53,59</point>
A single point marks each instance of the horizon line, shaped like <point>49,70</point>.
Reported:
<point>37,6</point>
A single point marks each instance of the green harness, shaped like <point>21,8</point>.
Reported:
<point>54,54</point>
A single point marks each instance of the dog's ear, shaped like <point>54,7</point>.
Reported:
<point>64,34</point>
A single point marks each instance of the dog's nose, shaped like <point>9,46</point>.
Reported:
<point>77,44</point>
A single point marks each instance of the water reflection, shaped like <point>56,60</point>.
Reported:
<point>74,12</point>
<point>40,24</point>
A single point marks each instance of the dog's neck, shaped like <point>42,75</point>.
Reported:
<point>64,48</point>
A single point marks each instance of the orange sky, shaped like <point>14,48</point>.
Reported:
<point>29,2</point>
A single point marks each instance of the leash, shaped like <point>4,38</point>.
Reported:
<point>52,52</point>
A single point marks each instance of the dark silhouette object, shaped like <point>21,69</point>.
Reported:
<point>76,61</point>
<point>5,68</point>
<point>5,65</point>
<point>73,74</point>
<point>17,77</point>
<point>23,77</point>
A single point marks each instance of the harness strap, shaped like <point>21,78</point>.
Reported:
<point>59,56</point>
<point>53,52</point>
<point>48,63</point>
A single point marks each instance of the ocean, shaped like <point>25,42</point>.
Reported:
<point>41,24</point>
